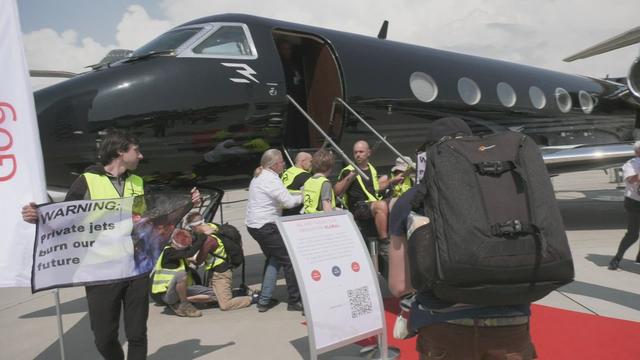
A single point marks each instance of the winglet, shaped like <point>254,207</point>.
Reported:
<point>383,30</point>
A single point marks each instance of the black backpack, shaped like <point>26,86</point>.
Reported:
<point>495,236</point>
<point>232,241</point>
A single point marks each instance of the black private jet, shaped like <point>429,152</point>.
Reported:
<point>208,97</point>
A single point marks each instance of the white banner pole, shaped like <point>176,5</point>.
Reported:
<point>56,296</point>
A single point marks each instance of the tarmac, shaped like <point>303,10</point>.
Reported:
<point>594,217</point>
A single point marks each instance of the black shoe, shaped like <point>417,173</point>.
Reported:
<point>265,307</point>
<point>296,306</point>
<point>614,264</point>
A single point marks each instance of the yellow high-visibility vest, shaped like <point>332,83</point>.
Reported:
<point>374,178</point>
<point>162,277</point>
<point>402,187</point>
<point>101,187</point>
<point>289,176</point>
<point>219,254</point>
<point>312,192</point>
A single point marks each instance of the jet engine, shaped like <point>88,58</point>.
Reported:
<point>633,79</point>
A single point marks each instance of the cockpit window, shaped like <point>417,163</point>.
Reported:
<point>228,40</point>
<point>222,41</point>
<point>168,41</point>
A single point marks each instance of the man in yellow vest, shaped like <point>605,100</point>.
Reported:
<point>318,193</point>
<point>217,264</point>
<point>294,177</point>
<point>172,284</point>
<point>361,196</point>
<point>118,154</point>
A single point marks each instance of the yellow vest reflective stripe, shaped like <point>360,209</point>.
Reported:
<point>312,192</point>
<point>289,176</point>
<point>219,255</point>
<point>401,188</point>
<point>162,277</point>
<point>374,178</point>
<point>100,186</point>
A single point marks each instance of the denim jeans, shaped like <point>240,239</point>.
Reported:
<point>273,247</point>
<point>269,280</point>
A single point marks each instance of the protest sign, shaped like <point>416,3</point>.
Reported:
<point>339,286</point>
<point>101,241</point>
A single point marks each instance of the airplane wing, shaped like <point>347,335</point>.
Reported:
<point>570,158</point>
<point>51,73</point>
<point>627,38</point>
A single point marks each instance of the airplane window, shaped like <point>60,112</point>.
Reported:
<point>423,86</point>
<point>537,97</point>
<point>226,41</point>
<point>586,101</point>
<point>170,40</point>
<point>469,91</point>
<point>506,94</point>
<point>563,99</point>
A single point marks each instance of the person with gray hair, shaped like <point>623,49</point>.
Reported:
<point>267,197</point>
<point>631,175</point>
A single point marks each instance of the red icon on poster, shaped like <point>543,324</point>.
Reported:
<point>355,266</point>
<point>315,275</point>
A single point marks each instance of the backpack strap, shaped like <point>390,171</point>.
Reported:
<point>494,168</point>
<point>516,227</point>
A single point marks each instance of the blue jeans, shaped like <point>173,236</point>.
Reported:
<point>272,245</point>
<point>269,280</point>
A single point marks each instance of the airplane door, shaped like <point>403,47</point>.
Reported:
<point>312,79</point>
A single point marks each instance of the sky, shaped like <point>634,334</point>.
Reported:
<point>72,34</point>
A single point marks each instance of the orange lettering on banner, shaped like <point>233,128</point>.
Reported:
<point>4,107</point>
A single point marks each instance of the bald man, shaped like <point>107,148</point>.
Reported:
<point>294,177</point>
<point>361,196</point>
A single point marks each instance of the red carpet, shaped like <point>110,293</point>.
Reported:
<point>557,334</point>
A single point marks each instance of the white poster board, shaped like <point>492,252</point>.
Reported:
<point>338,283</point>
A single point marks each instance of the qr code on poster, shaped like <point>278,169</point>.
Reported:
<point>360,301</point>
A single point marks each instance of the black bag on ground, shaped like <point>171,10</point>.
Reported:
<point>232,241</point>
<point>495,236</point>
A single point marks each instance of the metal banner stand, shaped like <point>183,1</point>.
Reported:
<point>377,352</point>
<point>56,296</point>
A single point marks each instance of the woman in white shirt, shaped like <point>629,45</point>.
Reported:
<point>631,174</point>
<point>267,197</point>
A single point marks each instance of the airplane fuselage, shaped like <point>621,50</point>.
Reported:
<point>205,114</point>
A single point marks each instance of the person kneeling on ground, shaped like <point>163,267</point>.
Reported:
<point>172,284</point>
<point>219,266</point>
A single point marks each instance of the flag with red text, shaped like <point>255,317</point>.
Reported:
<point>21,169</point>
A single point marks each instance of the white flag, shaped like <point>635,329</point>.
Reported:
<point>21,168</point>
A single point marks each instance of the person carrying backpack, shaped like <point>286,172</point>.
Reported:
<point>448,329</point>
<point>219,263</point>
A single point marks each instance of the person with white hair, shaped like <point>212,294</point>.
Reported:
<point>267,197</point>
<point>631,175</point>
